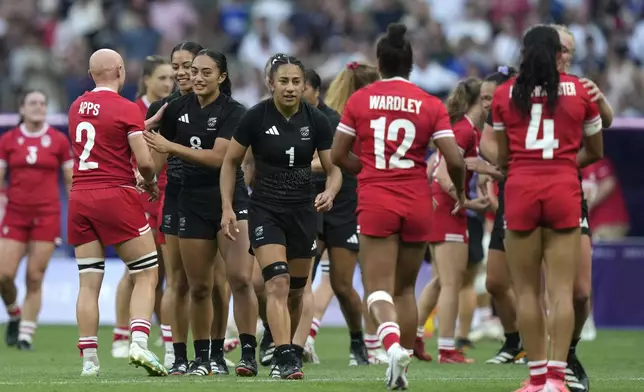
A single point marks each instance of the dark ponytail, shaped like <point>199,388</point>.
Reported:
<point>538,67</point>
<point>188,46</point>
<point>395,56</point>
<point>502,75</point>
<point>226,87</point>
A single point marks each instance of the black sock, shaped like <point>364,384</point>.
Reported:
<point>573,346</point>
<point>357,339</point>
<point>202,349</point>
<point>216,348</point>
<point>513,340</point>
<point>298,351</point>
<point>180,350</point>
<point>282,353</point>
<point>268,336</point>
<point>248,345</point>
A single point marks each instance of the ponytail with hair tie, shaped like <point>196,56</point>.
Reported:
<point>353,65</point>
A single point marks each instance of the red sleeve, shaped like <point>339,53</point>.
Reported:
<point>463,134</point>
<point>497,120</point>
<point>65,152</point>
<point>348,123</point>
<point>442,125</point>
<point>603,169</point>
<point>4,150</point>
<point>134,121</point>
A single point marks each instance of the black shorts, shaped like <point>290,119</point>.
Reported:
<point>475,240</point>
<point>338,228</point>
<point>296,229</point>
<point>498,230</point>
<point>585,220</point>
<point>170,221</point>
<point>200,211</point>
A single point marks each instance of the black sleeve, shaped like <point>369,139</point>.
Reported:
<point>244,133</point>
<point>168,128</point>
<point>323,131</point>
<point>227,129</point>
<point>489,119</point>
<point>154,108</point>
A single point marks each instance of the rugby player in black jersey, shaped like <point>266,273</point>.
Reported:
<point>175,296</point>
<point>197,128</point>
<point>284,133</point>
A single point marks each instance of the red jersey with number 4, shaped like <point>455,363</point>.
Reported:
<point>543,139</point>
<point>33,161</point>
<point>100,123</point>
<point>393,121</point>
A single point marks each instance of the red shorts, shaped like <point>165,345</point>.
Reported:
<point>111,215</point>
<point>25,227</point>
<point>445,226</point>
<point>545,200</point>
<point>404,209</point>
<point>153,213</point>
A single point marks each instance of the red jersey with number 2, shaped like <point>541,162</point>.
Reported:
<point>543,186</point>
<point>393,122</point>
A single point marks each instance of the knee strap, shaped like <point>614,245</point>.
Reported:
<point>275,269</point>
<point>143,263</point>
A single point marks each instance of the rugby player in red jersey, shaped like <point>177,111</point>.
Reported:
<point>467,108</point>
<point>105,209</point>
<point>541,118</point>
<point>32,153</point>
<point>393,122</point>
<point>155,84</point>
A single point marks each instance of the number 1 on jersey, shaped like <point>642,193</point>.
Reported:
<point>548,144</point>
<point>397,160</point>
<point>83,163</point>
<point>291,156</point>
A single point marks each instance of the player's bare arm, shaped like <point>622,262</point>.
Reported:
<point>482,167</point>
<point>443,178</point>
<point>227,178</point>
<point>154,121</point>
<point>596,95</point>
<point>487,146</point>
<point>248,167</point>
<point>453,160</point>
<point>316,165</point>
<point>503,146</point>
<point>145,163</point>
<point>592,151</point>
<point>67,177</point>
<point>341,154</point>
<point>324,201</point>
<point>213,157</point>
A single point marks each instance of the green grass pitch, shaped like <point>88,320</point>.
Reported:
<point>614,363</point>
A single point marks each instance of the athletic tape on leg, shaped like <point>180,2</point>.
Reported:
<point>379,295</point>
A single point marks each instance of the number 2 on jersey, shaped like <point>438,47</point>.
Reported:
<point>380,131</point>
<point>83,163</point>
<point>548,144</point>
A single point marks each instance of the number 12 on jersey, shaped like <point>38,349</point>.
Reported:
<point>548,144</point>
<point>382,131</point>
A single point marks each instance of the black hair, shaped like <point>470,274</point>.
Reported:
<point>502,75</point>
<point>226,87</point>
<point>313,79</point>
<point>23,100</point>
<point>188,46</point>
<point>282,59</point>
<point>395,56</point>
<point>269,63</point>
<point>538,68</point>
<point>150,65</point>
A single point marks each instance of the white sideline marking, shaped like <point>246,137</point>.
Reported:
<point>173,380</point>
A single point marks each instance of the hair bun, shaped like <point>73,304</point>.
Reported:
<point>396,34</point>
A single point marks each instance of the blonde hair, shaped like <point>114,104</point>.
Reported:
<point>564,29</point>
<point>351,79</point>
<point>462,98</point>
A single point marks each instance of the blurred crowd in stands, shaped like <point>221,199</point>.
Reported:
<point>45,43</point>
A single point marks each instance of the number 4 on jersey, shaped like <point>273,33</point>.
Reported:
<point>548,144</point>
<point>83,163</point>
<point>380,131</point>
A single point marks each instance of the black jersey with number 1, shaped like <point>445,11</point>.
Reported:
<point>283,150</point>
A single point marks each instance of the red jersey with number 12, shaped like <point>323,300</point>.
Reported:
<point>394,121</point>
<point>100,123</point>
<point>544,139</point>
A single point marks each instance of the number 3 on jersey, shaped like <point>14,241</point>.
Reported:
<point>380,131</point>
<point>548,144</point>
<point>83,163</point>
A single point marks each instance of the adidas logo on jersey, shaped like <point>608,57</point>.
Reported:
<point>315,245</point>
<point>272,131</point>
<point>184,119</point>
<point>353,239</point>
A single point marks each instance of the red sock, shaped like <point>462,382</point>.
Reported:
<point>315,326</point>
<point>121,333</point>
<point>14,311</point>
<point>87,345</point>
<point>538,371</point>
<point>389,334</point>
<point>556,370</point>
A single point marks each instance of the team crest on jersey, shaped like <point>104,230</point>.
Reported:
<point>212,121</point>
<point>45,141</point>
<point>259,231</point>
<point>21,141</point>
<point>304,131</point>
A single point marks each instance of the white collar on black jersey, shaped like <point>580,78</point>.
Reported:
<point>38,133</point>
<point>103,89</point>
<point>395,79</point>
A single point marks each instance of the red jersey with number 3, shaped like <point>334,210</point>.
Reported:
<point>544,139</point>
<point>33,161</point>
<point>100,123</point>
<point>393,121</point>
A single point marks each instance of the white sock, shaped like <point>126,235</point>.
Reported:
<point>27,330</point>
<point>166,335</point>
<point>446,344</point>
<point>420,331</point>
<point>140,332</point>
